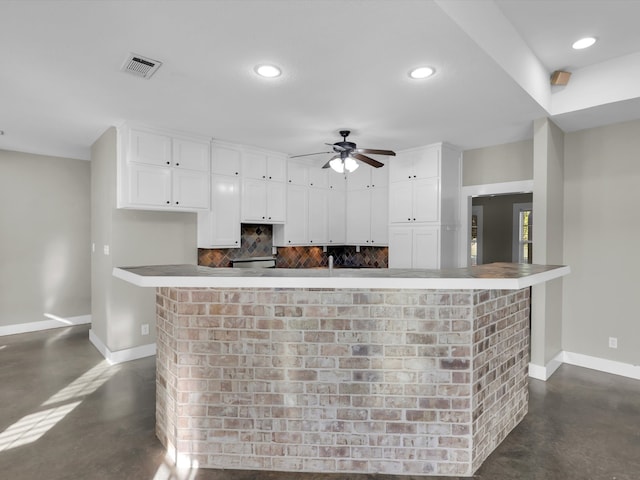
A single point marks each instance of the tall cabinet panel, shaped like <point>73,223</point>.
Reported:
<point>424,204</point>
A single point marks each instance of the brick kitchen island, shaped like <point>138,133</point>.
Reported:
<point>407,372</point>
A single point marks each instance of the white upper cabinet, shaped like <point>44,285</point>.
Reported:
<point>220,227</point>
<point>414,164</point>
<point>367,208</point>
<point>162,171</point>
<point>263,165</point>
<point>263,187</point>
<point>225,159</point>
<point>318,177</point>
<point>297,173</point>
<point>149,148</point>
<point>420,178</point>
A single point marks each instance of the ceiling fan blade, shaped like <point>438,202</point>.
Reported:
<point>367,160</point>
<point>376,152</point>
<point>309,154</point>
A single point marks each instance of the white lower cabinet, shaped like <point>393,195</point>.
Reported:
<point>414,247</point>
<point>220,227</point>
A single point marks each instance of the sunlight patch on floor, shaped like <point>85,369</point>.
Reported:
<point>184,469</point>
<point>32,427</point>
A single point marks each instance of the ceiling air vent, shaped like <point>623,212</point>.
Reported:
<point>140,66</point>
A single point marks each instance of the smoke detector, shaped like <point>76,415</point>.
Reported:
<point>140,66</point>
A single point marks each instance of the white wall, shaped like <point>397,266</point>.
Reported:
<point>44,239</point>
<point>134,238</point>
<point>601,236</point>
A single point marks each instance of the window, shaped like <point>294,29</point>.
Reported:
<point>523,233</point>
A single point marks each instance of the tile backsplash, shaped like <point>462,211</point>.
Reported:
<point>257,241</point>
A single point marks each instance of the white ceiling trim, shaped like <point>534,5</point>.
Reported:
<point>485,23</point>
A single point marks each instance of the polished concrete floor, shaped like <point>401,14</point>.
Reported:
<point>65,414</point>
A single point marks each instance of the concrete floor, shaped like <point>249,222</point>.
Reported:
<point>65,414</point>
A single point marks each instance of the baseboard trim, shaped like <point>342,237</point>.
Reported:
<point>53,322</point>
<point>602,365</point>
<point>586,361</point>
<point>543,373</point>
<point>121,356</point>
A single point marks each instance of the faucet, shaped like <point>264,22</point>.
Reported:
<point>330,264</point>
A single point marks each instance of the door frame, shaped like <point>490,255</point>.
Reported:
<point>467,194</point>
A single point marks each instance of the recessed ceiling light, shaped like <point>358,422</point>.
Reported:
<point>268,71</point>
<point>422,72</point>
<point>585,42</point>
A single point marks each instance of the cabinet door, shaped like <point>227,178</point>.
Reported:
<point>317,218</point>
<point>297,174</point>
<point>426,200</point>
<point>254,205</point>
<point>400,247</point>
<point>380,216</point>
<point>296,225</point>
<point>401,167</point>
<point>358,217</point>
<point>427,162</point>
<point>191,154</point>
<point>426,248</point>
<point>220,227</point>
<point>276,168</point>
<point>379,177</point>
<point>336,181</point>
<point>149,148</point>
<point>318,177</point>
<point>276,201</point>
<point>401,202</point>
<point>337,217</point>
<point>149,186</point>
<point>190,189</point>
<point>254,165</point>
<point>360,178</point>
<point>225,160</point>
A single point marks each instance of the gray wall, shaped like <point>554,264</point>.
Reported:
<point>496,164</point>
<point>45,239</point>
<point>134,238</point>
<point>497,234</point>
<point>601,233</point>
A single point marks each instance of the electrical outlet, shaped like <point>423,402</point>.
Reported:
<point>105,249</point>
<point>144,329</point>
<point>613,342</point>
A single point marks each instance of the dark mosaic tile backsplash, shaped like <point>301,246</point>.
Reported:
<point>257,242</point>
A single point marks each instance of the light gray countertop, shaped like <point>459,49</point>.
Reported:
<point>500,276</point>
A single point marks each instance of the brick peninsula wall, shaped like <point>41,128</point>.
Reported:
<point>406,382</point>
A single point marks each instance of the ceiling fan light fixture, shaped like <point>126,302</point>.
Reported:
<point>268,71</point>
<point>338,165</point>
<point>583,43</point>
<point>422,73</point>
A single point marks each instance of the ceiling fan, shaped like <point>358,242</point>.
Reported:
<point>346,154</point>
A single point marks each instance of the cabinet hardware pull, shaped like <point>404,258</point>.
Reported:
<point>177,164</point>
<point>168,202</point>
<point>168,163</point>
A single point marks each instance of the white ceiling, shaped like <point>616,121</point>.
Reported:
<point>345,65</point>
